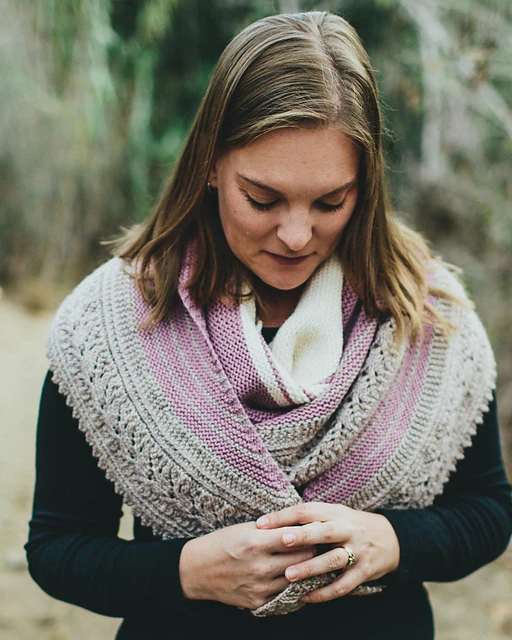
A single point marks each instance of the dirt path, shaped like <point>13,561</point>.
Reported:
<point>477,608</point>
<point>26,613</point>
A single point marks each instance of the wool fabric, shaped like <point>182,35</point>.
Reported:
<point>307,349</point>
<point>200,426</point>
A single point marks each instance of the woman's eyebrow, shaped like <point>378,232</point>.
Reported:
<point>260,185</point>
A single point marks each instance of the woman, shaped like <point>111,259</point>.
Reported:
<point>275,375</point>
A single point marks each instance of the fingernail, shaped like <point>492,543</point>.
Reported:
<point>262,521</point>
<point>289,538</point>
<point>291,574</point>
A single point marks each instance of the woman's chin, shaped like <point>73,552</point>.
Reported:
<point>282,285</point>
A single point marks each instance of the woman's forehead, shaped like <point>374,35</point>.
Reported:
<point>320,159</point>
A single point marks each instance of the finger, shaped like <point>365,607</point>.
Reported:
<point>277,585</point>
<point>333,560</point>
<point>340,587</point>
<point>272,541</point>
<point>265,594</point>
<point>284,560</point>
<point>297,514</point>
<point>315,533</point>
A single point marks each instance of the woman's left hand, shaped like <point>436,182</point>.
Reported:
<point>369,536</point>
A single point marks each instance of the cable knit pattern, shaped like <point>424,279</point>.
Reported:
<point>195,439</point>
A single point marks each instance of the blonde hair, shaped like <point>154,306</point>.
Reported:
<point>284,71</point>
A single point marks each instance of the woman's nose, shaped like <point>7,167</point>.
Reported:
<point>295,231</point>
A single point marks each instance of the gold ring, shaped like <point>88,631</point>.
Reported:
<point>351,557</point>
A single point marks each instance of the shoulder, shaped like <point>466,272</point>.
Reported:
<point>83,311</point>
<point>448,296</point>
<point>92,285</point>
<point>93,289</point>
<point>445,278</point>
<point>467,341</point>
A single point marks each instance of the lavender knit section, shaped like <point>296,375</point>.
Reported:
<point>182,423</point>
<point>205,404</point>
<point>374,447</point>
<point>349,301</point>
<point>225,329</point>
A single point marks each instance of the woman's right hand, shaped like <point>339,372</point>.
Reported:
<point>239,565</point>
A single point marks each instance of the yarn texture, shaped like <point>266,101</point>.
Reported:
<point>200,424</point>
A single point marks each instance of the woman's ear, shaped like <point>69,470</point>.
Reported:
<point>212,176</point>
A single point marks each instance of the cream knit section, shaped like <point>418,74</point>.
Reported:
<point>310,342</point>
<point>308,346</point>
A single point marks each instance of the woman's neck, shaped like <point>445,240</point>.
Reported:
<point>278,304</point>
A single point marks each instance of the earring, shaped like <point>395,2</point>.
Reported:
<point>211,190</point>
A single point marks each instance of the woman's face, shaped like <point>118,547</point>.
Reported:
<point>285,199</point>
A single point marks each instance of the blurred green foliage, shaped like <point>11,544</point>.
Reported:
<point>97,95</point>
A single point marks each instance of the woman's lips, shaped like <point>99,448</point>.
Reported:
<point>286,261</point>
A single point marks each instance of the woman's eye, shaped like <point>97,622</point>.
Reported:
<point>266,206</point>
<point>261,206</point>
<point>332,207</point>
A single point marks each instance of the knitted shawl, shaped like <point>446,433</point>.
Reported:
<point>200,425</point>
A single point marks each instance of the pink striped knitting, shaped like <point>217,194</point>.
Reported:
<point>181,422</point>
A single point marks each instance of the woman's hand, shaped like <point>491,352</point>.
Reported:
<point>369,536</point>
<point>240,565</point>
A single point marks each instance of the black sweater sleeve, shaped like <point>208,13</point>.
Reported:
<point>75,555</point>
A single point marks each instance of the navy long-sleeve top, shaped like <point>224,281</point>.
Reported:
<point>75,555</point>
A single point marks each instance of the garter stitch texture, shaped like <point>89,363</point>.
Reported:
<point>195,438</point>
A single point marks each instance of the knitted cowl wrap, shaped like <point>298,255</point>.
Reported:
<point>198,427</point>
